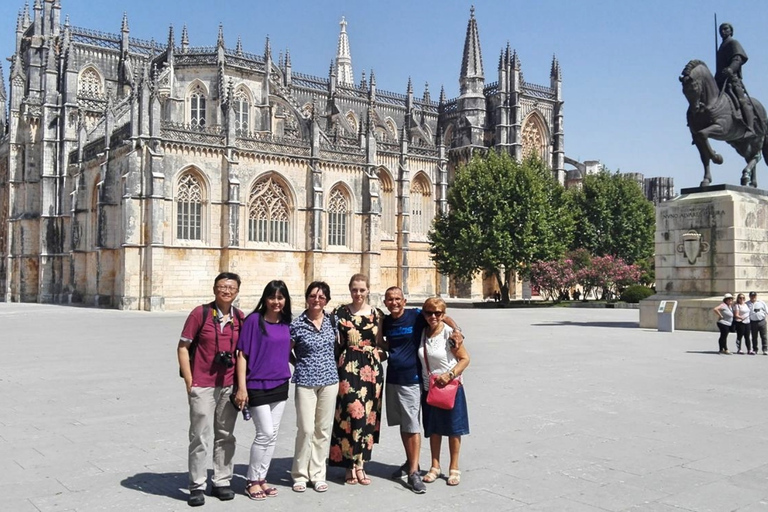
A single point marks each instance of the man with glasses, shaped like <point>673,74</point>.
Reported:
<point>206,353</point>
<point>757,321</point>
<point>402,331</point>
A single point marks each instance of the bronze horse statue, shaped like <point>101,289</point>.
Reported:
<point>712,115</point>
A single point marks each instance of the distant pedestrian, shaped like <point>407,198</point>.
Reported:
<point>724,312</point>
<point>741,321</point>
<point>206,359</point>
<point>757,323</point>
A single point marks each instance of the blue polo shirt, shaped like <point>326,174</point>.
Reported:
<point>404,337</point>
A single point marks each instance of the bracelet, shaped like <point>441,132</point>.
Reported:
<point>452,374</point>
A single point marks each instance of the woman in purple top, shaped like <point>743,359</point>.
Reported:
<point>264,350</point>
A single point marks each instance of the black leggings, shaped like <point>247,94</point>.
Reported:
<point>723,340</point>
<point>743,331</point>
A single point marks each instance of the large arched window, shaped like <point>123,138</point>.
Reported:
<point>421,207</point>
<point>338,216</point>
<point>189,207</point>
<point>534,137</point>
<point>197,113</point>
<point>388,212</point>
<point>89,84</point>
<point>269,213</point>
<point>241,108</point>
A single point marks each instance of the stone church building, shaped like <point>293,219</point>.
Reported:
<point>132,172</point>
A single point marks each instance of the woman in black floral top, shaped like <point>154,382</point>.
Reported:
<point>361,379</point>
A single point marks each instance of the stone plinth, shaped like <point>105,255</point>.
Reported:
<point>709,241</point>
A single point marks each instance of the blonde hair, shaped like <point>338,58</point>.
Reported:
<point>359,277</point>
<point>436,303</point>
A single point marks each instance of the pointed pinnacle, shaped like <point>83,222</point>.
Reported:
<point>124,26</point>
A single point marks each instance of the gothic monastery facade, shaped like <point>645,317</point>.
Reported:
<point>132,172</point>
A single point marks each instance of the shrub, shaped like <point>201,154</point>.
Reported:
<point>635,293</point>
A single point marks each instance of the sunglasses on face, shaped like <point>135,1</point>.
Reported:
<point>437,314</point>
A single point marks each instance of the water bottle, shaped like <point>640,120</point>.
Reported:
<point>246,413</point>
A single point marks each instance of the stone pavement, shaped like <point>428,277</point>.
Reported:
<point>570,410</point>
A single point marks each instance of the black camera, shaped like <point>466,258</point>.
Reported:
<point>224,359</point>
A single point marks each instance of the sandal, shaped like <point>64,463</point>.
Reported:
<point>362,478</point>
<point>254,495</point>
<point>350,479</point>
<point>454,477</point>
<point>432,475</point>
<point>269,492</point>
<point>321,486</point>
<point>299,486</point>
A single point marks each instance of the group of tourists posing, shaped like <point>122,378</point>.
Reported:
<point>233,363</point>
<point>746,318</point>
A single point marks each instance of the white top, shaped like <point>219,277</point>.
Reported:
<point>727,313</point>
<point>441,359</point>
<point>743,311</point>
<point>756,310</point>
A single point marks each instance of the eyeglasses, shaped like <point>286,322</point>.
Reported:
<point>320,298</point>
<point>226,288</point>
<point>438,314</point>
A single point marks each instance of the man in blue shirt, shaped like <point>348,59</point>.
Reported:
<point>402,331</point>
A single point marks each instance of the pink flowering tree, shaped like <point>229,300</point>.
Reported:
<point>552,278</point>
<point>609,274</point>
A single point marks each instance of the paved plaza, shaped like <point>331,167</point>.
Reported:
<point>570,410</point>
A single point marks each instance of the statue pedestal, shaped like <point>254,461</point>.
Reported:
<point>709,241</point>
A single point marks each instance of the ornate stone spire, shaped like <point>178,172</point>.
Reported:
<point>220,39</point>
<point>426,98</point>
<point>472,59</point>
<point>25,15</point>
<point>442,94</point>
<point>184,38</point>
<point>239,47</point>
<point>554,73</point>
<point>124,27</point>
<point>344,75</point>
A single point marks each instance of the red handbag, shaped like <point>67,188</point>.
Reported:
<point>442,397</point>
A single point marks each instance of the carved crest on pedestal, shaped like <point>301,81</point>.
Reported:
<point>692,246</point>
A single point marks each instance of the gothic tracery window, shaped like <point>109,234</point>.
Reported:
<point>241,110</point>
<point>189,208</point>
<point>534,139</point>
<point>268,213</point>
<point>421,208</point>
<point>197,106</point>
<point>337,218</point>
<point>89,84</point>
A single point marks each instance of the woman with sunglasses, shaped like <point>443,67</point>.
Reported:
<point>361,381</point>
<point>439,356</point>
<point>741,322</point>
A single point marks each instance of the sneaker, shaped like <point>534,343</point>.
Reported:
<point>224,493</point>
<point>727,352</point>
<point>765,353</point>
<point>416,484</point>
<point>753,353</point>
<point>401,472</point>
<point>196,498</point>
<point>740,352</point>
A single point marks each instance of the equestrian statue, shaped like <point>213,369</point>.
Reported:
<point>719,108</point>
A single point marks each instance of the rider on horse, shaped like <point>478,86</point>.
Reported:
<point>730,58</point>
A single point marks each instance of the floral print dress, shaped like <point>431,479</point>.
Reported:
<point>357,420</point>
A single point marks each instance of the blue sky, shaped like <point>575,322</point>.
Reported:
<point>620,59</point>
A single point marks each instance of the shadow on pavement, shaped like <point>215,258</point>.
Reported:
<point>708,352</point>
<point>620,325</point>
<point>159,484</point>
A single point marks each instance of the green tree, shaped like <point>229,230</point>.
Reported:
<point>503,216</point>
<point>612,217</point>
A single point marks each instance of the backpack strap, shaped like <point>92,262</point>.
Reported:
<point>196,340</point>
